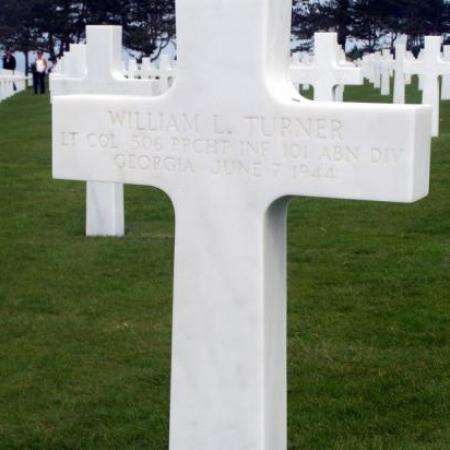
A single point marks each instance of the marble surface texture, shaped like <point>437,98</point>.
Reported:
<point>230,143</point>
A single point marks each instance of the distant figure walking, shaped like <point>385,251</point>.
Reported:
<point>9,61</point>
<point>39,70</point>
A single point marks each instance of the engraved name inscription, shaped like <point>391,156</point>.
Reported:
<point>251,146</point>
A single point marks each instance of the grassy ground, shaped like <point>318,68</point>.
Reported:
<point>85,323</point>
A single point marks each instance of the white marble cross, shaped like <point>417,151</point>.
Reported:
<point>326,71</point>
<point>230,143</point>
<point>401,79</point>
<point>445,89</point>
<point>430,67</point>
<point>97,68</point>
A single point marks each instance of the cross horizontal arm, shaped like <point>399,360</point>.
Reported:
<point>430,62</point>
<point>372,152</point>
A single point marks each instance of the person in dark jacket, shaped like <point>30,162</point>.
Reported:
<point>9,61</point>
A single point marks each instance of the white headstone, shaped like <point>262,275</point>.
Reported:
<point>326,72</point>
<point>430,67</point>
<point>230,143</point>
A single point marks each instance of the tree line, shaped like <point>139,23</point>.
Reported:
<point>52,25</point>
<point>149,25</point>
<point>371,22</point>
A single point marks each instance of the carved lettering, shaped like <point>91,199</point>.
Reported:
<point>153,163</point>
<point>293,127</point>
<point>238,167</point>
<point>155,122</point>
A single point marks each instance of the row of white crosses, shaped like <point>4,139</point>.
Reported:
<point>233,142</point>
<point>164,73</point>
<point>430,66</point>
<point>328,71</point>
<point>11,82</point>
<point>97,68</point>
<point>378,68</point>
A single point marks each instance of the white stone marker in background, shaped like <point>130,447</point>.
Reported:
<point>420,76</point>
<point>430,67</point>
<point>97,69</point>
<point>325,71</point>
<point>445,89</point>
<point>366,63</point>
<point>306,59</point>
<point>410,57</point>
<point>376,60</point>
<point>386,66</point>
<point>300,60</point>
<point>132,69</point>
<point>230,143</point>
<point>340,89</point>
<point>399,73</point>
<point>148,69</point>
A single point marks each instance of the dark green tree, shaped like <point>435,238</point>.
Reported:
<point>149,25</point>
<point>19,26</point>
<point>371,21</point>
<point>310,16</point>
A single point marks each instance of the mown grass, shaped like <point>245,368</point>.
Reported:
<point>85,323</point>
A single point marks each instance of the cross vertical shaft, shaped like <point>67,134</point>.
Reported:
<point>229,341</point>
<point>224,43</point>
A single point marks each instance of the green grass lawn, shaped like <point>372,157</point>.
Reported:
<point>85,323</point>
